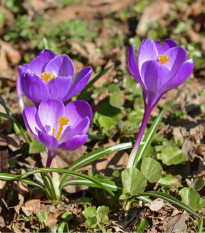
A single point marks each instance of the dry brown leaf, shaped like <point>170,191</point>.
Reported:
<point>177,223</point>
<point>20,188</point>
<point>32,207</point>
<point>7,51</point>
<point>21,201</point>
<point>3,168</point>
<point>53,218</point>
<point>156,205</point>
<point>152,13</point>
<point>89,9</point>
<point>38,5</point>
<point>13,54</point>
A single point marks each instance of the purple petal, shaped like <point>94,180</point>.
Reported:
<point>177,57</point>
<point>61,65</point>
<point>132,65</point>
<point>31,120</point>
<point>147,52</point>
<point>23,69</point>
<point>80,82</point>
<point>74,143</point>
<point>49,111</point>
<point>154,75</point>
<point>37,65</point>
<point>181,76</point>
<point>50,142</point>
<point>81,129</point>
<point>34,88</point>
<point>76,111</point>
<point>168,43</point>
<point>59,87</point>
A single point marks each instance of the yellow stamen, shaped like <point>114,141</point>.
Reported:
<point>47,76</point>
<point>163,59</point>
<point>62,122</point>
<point>53,132</point>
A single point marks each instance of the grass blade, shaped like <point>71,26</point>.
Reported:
<point>170,199</point>
<point>60,170</point>
<point>11,177</point>
<point>97,154</point>
<point>94,155</point>
<point>201,225</point>
<point>80,181</point>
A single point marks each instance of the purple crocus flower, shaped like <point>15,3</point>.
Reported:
<point>51,76</point>
<point>159,69</point>
<point>59,127</point>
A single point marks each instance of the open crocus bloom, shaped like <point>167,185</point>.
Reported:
<point>59,127</point>
<point>159,69</point>
<point>51,76</point>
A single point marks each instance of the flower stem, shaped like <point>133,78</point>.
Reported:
<point>49,159</point>
<point>131,160</point>
<point>18,90</point>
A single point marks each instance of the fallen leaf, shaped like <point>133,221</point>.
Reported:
<point>32,207</point>
<point>156,205</point>
<point>177,223</point>
<point>13,55</point>
<point>21,201</point>
<point>152,13</point>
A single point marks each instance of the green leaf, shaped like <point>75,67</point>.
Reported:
<point>133,181</point>
<point>201,203</point>
<point>196,184</point>
<point>91,222</point>
<point>95,79</point>
<point>190,197</point>
<point>42,216</point>
<point>181,27</point>
<point>151,169</point>
<point>89,212</point>
<point>140,228</point>
<point>170,199</point>
<point>67,216</point>
<point>26,218</point>
<point>85,201</point>
<point>131,85</point>
<point>147,140</point>
<point>106,109</point>
<point>139,6</point>
<point>102,215</point>
<point>116,99</point>
<point>167,181</point>
<point>202,107</point>
<point>36,147</point>
<point>63,227</point>
<point>172,155</point>
<point>113,88</point>
<point>106,122</point>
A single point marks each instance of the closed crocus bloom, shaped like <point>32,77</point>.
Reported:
<point>59,127</point>
<point>159,69</point>
<point>51,76</point>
